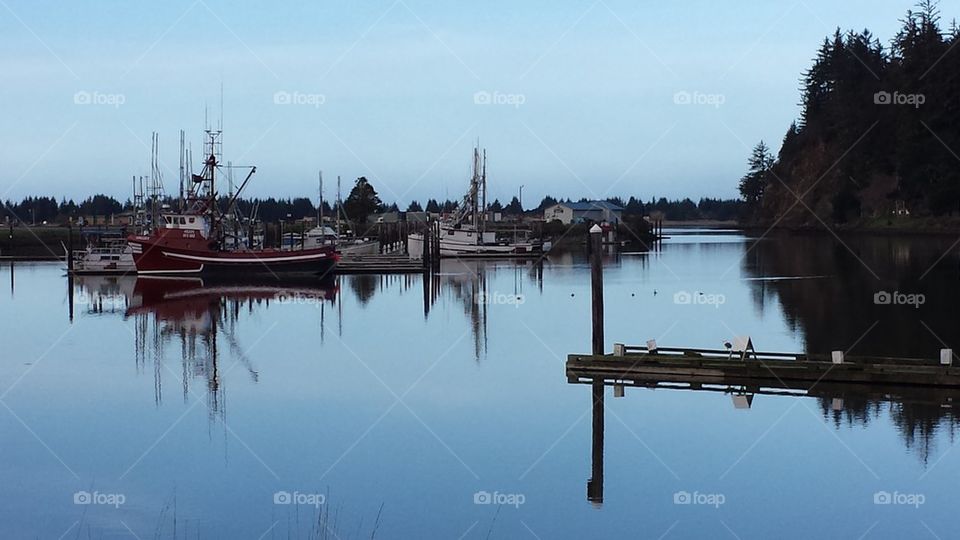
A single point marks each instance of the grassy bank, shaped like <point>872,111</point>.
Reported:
<point>40,241</point>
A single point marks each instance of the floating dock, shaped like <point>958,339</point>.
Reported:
<point>379,264</point>
<point>783,370</point>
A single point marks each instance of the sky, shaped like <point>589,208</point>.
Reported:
<point>591,98</point>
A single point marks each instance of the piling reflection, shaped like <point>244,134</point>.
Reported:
<point>920,414</point>
<point>464,283</point>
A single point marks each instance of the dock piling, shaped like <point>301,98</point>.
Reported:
<point>70,247</point>
<point>596,286</point>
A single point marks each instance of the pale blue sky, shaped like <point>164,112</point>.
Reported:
<point>598,82</point>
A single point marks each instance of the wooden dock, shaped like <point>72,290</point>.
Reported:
<point>382,263</point>
<point>782,370</point>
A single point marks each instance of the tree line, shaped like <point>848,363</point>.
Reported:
<point>361,202</point>
<point>878,134</point>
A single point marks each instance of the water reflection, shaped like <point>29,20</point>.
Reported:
<point>459,282</point>
<point>195,317</point>
<point>919,414</point>
<point>192,319</point>
<point>837,310</point>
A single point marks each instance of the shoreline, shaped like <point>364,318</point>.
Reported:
<point>918,227</point>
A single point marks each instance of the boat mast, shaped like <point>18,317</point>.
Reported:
<point>483,186</point>
<point>320,205</point>
<point>182,173</point>
<point>339,209</point>
<point>475,185</point>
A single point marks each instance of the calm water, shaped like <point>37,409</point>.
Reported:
<point>398,407</point>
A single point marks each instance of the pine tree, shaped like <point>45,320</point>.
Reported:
<point>754,183</point>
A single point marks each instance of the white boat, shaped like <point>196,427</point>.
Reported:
<point>467,234</point>
<point>323,236</point>
<point>107,256</point>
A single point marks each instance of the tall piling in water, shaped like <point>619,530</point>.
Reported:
<point>595,483</point>
<point>70,247</point>
<point>596,286</point>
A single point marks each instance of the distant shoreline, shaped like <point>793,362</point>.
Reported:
<point>909,226</point>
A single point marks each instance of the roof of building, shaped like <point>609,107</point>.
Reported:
<point>592,205</point>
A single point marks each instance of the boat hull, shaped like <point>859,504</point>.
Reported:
<point>451,248</point>
<point>154,258</point>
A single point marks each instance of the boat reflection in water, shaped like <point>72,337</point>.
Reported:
<point>199,316</point>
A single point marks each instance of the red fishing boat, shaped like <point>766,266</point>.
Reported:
<point>195,239</point>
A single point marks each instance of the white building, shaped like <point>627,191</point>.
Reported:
<point>580,212</point>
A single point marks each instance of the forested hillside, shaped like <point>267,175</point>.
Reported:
<point>878,136</point>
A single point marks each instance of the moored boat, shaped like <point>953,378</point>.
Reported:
<point>467,234</point>
<point>105,256</point>
<point>193,241</point>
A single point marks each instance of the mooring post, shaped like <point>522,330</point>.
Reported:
<point>425,251</point>
<point>70,247</point>
<point>596,286</point>
<point>436,246</point>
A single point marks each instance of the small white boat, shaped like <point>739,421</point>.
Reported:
<point>107,256</point>
<point>467,240</point>
<point>324,236</point>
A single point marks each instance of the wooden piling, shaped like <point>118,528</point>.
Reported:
<point>596,286</point>
<point>70,251</point>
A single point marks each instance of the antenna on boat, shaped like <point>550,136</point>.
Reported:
<point>182,170</point>
<point>339,209</point>
<point>320,205</point>
<point>483,186</point>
